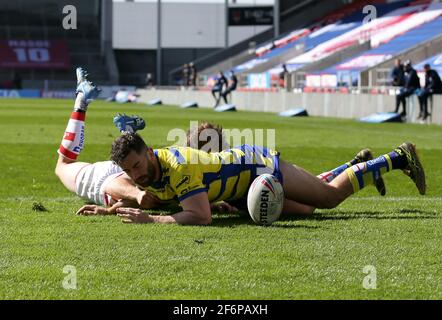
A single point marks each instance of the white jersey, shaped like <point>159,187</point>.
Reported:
<point>92,179</point>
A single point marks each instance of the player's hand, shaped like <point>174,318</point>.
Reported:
<point>92,210</point>
<point>145,200</point>
<point>131,215</point>
<point>223,207</point>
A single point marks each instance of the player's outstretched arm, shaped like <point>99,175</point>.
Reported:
<point>223,207</point>
<point>196,211</point>
<point>96,210</point>
<point>123,187</point>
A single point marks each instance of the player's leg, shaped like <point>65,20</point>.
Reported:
<point>420,97</point>
<point>403,102</point>
<point>405,95</point>
<point>215,89</point>
<point>398,102</point>
<point>68,171</point>
<point>291,207</point>
<point>67,167</point>
<point>400,99</point>
<point>218,98</point>
<point>225,93</point>
<point>424,104</point>
<point>303,187</point>
<point>362,156</point>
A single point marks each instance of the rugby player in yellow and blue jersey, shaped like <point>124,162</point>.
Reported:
<point>195,178</point>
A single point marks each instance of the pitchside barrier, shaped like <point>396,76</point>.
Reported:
<point>22,93</point>
<point>105,93</point>
<point>349,103</point>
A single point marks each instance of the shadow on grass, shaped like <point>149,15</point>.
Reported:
<point>225,220</point>
<point>404,214</point>
<point>235,220</point>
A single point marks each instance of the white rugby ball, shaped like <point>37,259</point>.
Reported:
<point>265,199</point>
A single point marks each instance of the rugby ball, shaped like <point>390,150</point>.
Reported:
<point>265,199</point>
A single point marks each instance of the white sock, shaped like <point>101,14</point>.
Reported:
<point>73,139</point>
<point>80,105</point>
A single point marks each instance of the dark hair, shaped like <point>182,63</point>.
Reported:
<point>427,66</point>
<point>124,144</point>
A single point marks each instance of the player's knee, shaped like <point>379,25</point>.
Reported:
<point>330,201</point>
<point>330,204</point>
<point>205,221</point>
<point>58,170</point>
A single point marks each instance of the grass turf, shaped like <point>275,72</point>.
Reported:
<point>319,257</point>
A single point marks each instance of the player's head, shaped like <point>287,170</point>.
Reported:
<point>397,62</point>
<point>408,66</point>
<point>208,137</point>
<point>131,153</point>
<point>427,67</point>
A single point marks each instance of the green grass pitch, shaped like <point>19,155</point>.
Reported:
<point>320,257</point>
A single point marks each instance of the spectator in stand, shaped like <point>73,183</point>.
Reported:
<point>149,80</point>
<point>192,75</point>
<point>232,86</point>
<point>397,74</point>
<point>185,74</point>
<point>221,81</point>
<point>433,84</point>
<point>412,83</point>
<point>282,76</point>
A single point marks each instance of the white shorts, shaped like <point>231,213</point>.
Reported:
<point>92,179</point>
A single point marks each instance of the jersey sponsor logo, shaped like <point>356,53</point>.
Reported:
<point>185,179</point>
<point>81,138</point>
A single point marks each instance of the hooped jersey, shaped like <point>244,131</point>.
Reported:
<point>225,175</point>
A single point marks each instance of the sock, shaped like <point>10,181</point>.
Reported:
<point>328,176</point>
<point>365,173</point>
<point>397,159</point>
<point>73,139</point>
<point>80,104</point>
